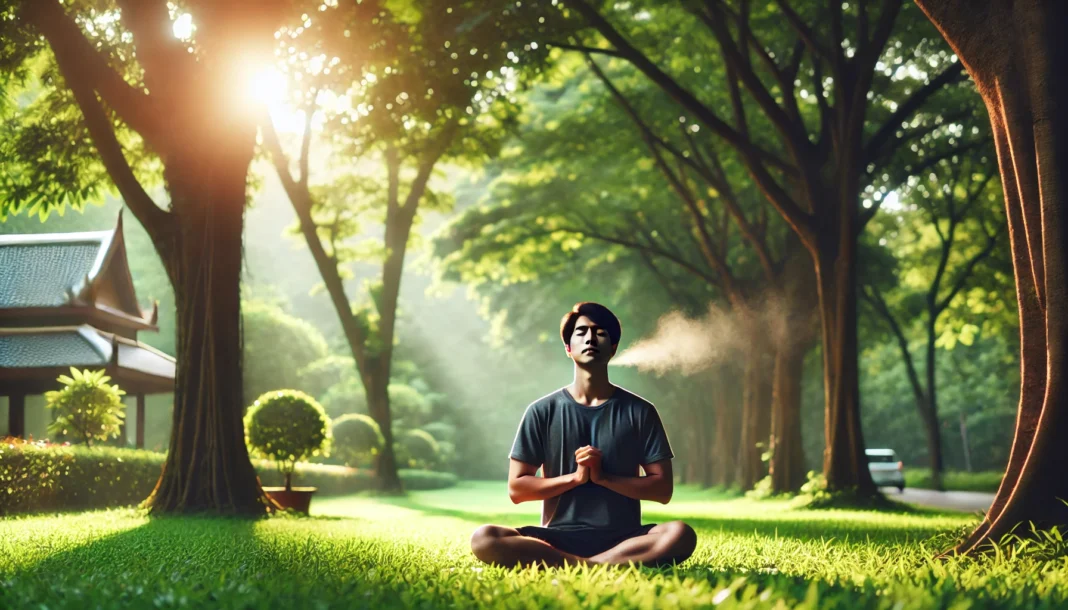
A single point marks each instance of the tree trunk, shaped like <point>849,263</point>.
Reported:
<point>1016,53</point>
<point>756,419</point>
<point>208,466</point>
<point>703,454</point>
<point>787,466</point>
<point>934,429</point>
<point>725,446</point>
<point>844,463</point>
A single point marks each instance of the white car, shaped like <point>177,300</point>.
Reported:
<point>886,469</point>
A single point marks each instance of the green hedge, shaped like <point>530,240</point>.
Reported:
<point>36,476</point>
<point>953,480</point>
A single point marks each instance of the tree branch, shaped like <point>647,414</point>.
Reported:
<point>155,220</point>
<point>587,50</point>
<point>88,66</point>
<point>965,273</point>
<point>867,215</point>
<point>803,31</point>
<point>302,202</point>
<point>159,52</point>
<point>872,296</point>
<point>305,143</point>
<point>683,97</point>
<point>952,74</point>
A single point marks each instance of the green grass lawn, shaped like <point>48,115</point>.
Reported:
<point>413,552</point>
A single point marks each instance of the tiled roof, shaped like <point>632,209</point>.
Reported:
<point>44,348</point>
<point>81,346</point>
<point>43,270</point>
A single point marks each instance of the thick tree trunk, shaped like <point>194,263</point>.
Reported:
<point>787,465</point>
<point>208,466</point>
<point>844,463</point>
<point>1016,53</point>
<point>386,461</point>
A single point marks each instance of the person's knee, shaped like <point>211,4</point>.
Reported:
<point>684,539</point>
<point>484,542</point>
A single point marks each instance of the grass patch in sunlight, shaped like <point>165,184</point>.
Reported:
<point>955,480</point>
<point>413,551</point>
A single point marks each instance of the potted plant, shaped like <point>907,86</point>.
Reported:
<point>287,426</point>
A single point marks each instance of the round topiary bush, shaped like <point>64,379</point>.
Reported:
<point>357,438</point>
<point>418,449</point>
<point>286,426</point>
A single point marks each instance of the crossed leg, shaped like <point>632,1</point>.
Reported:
<point>505,546</point>
<point>665,543</point>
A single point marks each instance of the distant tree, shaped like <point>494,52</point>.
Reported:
<point>952,231</point>
<point>407,84</point>
<point>812,110</point>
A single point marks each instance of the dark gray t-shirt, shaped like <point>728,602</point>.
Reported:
<point>627,430</point>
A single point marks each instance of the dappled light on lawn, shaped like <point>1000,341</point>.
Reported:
<point>363,551</point>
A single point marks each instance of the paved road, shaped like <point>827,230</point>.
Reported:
<point>967,501</point>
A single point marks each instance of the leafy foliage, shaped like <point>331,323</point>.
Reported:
<point>356,438</point>
<point>42,476</point>
<point>278,348</point>
<point>87,408</point>
<point>417,449</point>
<point>286,426</point>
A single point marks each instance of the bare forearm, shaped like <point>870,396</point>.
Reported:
<point>531,487</point>
<point>657,488</point>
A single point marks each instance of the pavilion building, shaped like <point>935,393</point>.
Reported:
<point>67,299</point>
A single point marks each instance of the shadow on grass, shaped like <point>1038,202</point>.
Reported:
<point>179,561</point>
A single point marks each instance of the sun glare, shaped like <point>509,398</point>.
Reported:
<point>183,27</point>
<point>255,83</point>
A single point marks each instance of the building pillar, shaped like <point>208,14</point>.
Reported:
<point>16,415</point>
<point>122,425</point>
<point>140,444</point>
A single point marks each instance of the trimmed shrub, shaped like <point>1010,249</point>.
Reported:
<point>266,328</point>
<point>286,426</point>
<point>357,439</point>
<point>41,476</point>
<point>408,407</point>
<point>417,449</point>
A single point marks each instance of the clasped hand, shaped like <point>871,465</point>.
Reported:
<point>588,460</point>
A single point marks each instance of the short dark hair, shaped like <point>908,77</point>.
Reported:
<point>600,314</point>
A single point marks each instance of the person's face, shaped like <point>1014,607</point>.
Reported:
<point>589,343</point>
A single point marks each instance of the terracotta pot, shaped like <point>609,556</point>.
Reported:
<point>296,499</point>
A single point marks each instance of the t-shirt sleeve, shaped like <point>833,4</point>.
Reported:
<point>529,444</point>
<point>655,445</point>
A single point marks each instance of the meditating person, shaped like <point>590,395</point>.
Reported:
<point>589,439</point>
